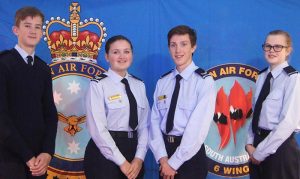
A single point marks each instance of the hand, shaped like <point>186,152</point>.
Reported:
<point>41,164</point>
<point>254,161</point>
<point>30,163</point>
<point>251,149</point>
<point>136,165</point>
<point>126,168</point>
<point>166,171</point>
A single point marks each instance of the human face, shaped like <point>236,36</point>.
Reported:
<point>119,56</point>
<point>275,58</point>
<point>181,51</point>
<point>29,33</point>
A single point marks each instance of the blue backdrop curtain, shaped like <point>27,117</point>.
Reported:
<point>228,32</point>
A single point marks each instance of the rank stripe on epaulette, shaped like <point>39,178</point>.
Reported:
<point>98,78</point>
<point>290,70</point>
<point>166,74</point>
<point>202,73</point>
<point>136,78</point>
<point>263,70</point>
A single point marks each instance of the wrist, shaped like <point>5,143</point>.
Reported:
<point>247,146</point>
<point>163,160</point>
<point>138,160</point>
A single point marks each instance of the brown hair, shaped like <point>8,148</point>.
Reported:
<point>284,33</point>
<point>24,12</point>
<point>116,38</point>
<point>182,30</point>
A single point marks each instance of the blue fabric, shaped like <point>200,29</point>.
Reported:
<point>228,32</point>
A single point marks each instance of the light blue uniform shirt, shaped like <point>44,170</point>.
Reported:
<point>107,109</point>
<point>24,54</point>
<point>278,110</point>
<point>193,115</point>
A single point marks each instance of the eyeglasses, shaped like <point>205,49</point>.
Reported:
<point>276,48</point>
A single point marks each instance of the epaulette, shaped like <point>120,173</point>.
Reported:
<point>290,70</point>
<point>136,78</point>
<point>202,73</point>
<point>263,70</point>
<point>166,74</point>
<point>98,78</point>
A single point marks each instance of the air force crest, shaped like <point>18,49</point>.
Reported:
<point>74,49</point>
<point>225,143</point>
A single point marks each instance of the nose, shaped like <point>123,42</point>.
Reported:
<point>177,49</point>
<point>122,55</point>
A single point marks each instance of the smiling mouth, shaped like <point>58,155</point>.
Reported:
<point>272,56</point>
<point>178,56</point>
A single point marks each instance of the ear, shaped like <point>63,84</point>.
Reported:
<point>106,57</point>
<point>289,51</point>
<point>15,30</point>
<point>194,48</point>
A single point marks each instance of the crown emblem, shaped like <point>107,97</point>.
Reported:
<point>74,42</point>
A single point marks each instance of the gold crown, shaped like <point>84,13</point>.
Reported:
<point>71,43</point>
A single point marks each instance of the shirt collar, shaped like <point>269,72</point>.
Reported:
<point>23,53</point>
<point>187,72</point>
<point>277,70</point>
<point>115,76</point>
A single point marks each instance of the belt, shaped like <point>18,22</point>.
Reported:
<point>262,132</point>
<point>124,134</point>
<point>172,138</point>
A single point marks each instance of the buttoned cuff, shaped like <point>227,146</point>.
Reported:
<point>259,156</point>
<point>140,153</point>
<point>158,150</point>
<point>175,162</point>
<point>119,159</point>
<point>250,140</point>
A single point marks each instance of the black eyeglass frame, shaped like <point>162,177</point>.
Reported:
<point>276,47</point>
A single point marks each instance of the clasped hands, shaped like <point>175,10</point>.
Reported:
<point>166,171</point>
<point>251,149</point>
<point>132,170</point>
<point>39,165</point>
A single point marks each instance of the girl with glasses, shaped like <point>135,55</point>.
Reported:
<point>273,151</point>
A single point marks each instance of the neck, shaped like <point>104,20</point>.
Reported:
<point>27,49</point>
<point>121,73</point>
<point>273,66</point>
<point>182,67</point>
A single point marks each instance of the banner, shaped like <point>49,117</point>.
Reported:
<point>230,35</point>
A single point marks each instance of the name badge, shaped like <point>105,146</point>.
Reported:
<point>162,97</point>
<point>114,97</point>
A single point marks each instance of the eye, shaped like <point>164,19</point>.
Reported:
<point>115,52</point>
<point>278,46</point>
<point>38,27</point>
<point>127,52</point>
<point>172,45</point>
<point>183,44</point>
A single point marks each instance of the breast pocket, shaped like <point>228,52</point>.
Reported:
<point>273,104</point>
<point>162,107</point>
<point>141,109</point>
<point>186,109</point>
<point>115,104</point>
